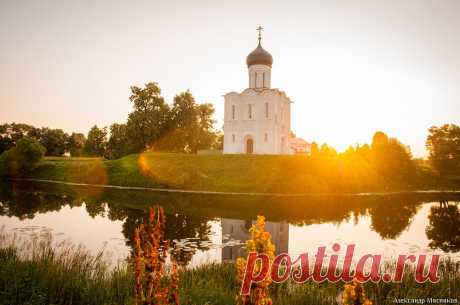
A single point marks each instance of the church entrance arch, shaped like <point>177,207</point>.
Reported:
<point>249,145</point>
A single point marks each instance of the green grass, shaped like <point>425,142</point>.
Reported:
<point>228,173</point>
<point>234,173</point>
<point>38,272</point>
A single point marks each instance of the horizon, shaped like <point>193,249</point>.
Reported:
<point>351,69</point>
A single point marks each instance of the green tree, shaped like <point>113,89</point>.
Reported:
<point>10,134</point>
<point>443,144</point>
<point>118,144</point>
<point>207,135</point>
<point>96,142</point>
<point>20,130</point>
<point>76,144</point>
<point>191,125</point>
<point>22,158</point>
<point>6,142</point>
<point>54,140</point>
<point>219,142</point>
<point>150,116</point>
<point>392,159</point>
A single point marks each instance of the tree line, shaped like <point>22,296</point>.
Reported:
<point>184,126</point>
<point>389,158</point>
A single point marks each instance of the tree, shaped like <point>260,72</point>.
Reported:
<point>327,151</point>
<point>364,151</point>
<point>191,125</point>
<point>97,141</point>
<point>6,142</point>
<point>219,142</point>
<point>76,143</point>
<point>18,130</point>
<point>118,144</point>
<point>207,135</point>
<point>54,140</point>
<point>443,144</point>
<point>150,116</point>
<point>22,158</point>
<point>314,149</point>
<point>391,158</point>
<point>10,134</point>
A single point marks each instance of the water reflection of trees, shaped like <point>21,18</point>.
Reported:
<point>188,216</point>
<point>390,219</point>
<point>444,227</point>
<point>25,204</point>
<point>188,233</point>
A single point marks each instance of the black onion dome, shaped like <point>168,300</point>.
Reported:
<point>259,57</point>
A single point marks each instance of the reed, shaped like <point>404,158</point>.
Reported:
<point>39,271</point>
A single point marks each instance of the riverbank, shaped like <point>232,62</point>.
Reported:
<point>40,273</point>
<point>230,173</point>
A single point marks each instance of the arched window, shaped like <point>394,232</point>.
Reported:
<point>266,137</point>
<point>233,111</point>
<point>266,110</point>
<point>263,80</point>
<point>250,111</point>
<point>255,79</point>
<point>233,138</point>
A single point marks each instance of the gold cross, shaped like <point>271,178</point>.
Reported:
<point>259,29</point>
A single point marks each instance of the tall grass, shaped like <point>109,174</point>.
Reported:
<point>38,271</point>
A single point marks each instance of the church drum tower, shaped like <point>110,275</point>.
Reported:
<point>257,120</point>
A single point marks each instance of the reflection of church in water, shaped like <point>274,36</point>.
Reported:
<point>236,229</point>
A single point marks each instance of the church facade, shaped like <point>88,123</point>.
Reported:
<point>257,120</point>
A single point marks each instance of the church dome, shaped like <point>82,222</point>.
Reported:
<point>259,57</point>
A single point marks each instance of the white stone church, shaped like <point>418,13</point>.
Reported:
<point>257,120</point>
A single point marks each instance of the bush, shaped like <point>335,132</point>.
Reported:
<point>22,158</point>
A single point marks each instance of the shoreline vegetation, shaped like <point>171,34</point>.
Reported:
<point>173,161</point>
<point>297,174</point>
<point>40,271</point>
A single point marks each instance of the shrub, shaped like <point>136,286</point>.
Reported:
<point>22,158</point>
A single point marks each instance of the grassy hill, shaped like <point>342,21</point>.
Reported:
<point>231,173</point>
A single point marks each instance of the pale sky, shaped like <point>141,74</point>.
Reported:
<point>351,67</point>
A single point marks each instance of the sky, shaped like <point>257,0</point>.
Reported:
<point>351,67</point>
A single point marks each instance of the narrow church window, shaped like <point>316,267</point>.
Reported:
<point>255,79</point>
<point>263,80</point>
<point>250,111</point>
<point>233,112</point>
<point>266,110</point>
<point>233,138</point>
<point>266,137</point>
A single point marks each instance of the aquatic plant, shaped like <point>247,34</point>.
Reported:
<point>150,253</point>
<point>259,243</point>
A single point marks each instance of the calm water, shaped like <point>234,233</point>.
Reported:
<point>207,228</point>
